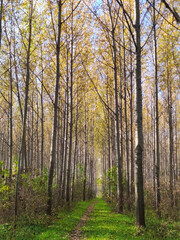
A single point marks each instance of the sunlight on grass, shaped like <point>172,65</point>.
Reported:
<point>105,225</point>
<point>66,223</point>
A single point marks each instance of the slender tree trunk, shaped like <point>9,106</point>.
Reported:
<point>109,145</point>
<point>104,165</point>
<point>71,111</point>
<point>22,152</point>
<point>157,168</point>
<point>2,148</point>
<point>58,151</point>
<point>37,137</point>
<point>120,185</point>
<point>176,159</point>
<point>42,116</point>
<point>17,86</point>
<point>85,154</point>
<point>67,128</point>
<point>121,110</point>
<point>132,135</point>
<point>28,141</point>
<point>32,134</point>
<point>75,148</point>
<point>112,137</point>
<point>154,155</point>
<point>54,130</point>
<point>91,160</point>
<point>139,192</point>
<point>62,161</point>
<point>119,161</point>
<point>1,15</point>
<point>126,125</point>
<point>176,177</point>
<point>169,88</point>
<point>10,111</point>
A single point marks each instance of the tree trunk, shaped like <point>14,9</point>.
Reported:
<point>109,145</point>
<point>62,153</point>
<point>169,88</point>
<point>121,109</point>
<point>85,154</point>
<point>71,111</point>
<point>139,193</point>
<point>10,110</point>
<point>37,137</point>
<point>126,126</point>
<point>1,15</point>
<point>119,159</point>
<point>42,115</point>
<point>75,149</point>
<point>22,152</point>
<point>54,130</point>
<point>67,128</point>
<point>132,135</point>
<point>157,166</point>
<point>32,134</point>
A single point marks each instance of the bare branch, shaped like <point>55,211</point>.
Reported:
<point>173,11</point>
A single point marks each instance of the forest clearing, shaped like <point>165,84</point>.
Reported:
<point>89,119</point>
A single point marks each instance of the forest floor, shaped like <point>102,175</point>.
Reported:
<point>92,220</point>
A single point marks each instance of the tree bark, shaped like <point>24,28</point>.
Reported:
<point>126,126</point>
<point>10,109</point>
<point>119,159</point>
<point>62,160</point>
<point>109,144</point>
<point>75,149</point>
<point>139,193</point>
<point>37,136</point>
<point>67,128</point>
<point>1,15</point>
<point>71,110</point>
<point>157,166</point>
<point>42,117</point>
<point>132,135</point>
<point>22,152</point>
<point>171,142</point>
<point>32,135</point>
<point>85,154</point>
<point>54,130</point>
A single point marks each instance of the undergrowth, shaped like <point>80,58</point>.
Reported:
<point>44,227</point>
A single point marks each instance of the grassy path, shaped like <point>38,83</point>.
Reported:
<point>103,224</point>
<point>92,220</point>
<point>39,229</point>
<point>77,232</point>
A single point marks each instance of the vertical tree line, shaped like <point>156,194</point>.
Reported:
<point>84,97</point>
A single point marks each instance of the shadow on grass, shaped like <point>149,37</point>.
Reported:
<point>59,229</point>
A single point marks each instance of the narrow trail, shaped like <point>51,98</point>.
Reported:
<point>77,232</point>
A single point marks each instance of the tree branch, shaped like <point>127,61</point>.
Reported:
<point>173,11</point>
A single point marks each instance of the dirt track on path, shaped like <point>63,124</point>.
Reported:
<point>77,233</point>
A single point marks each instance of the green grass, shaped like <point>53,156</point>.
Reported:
<point>39,230</point>
<point>104,224</point>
